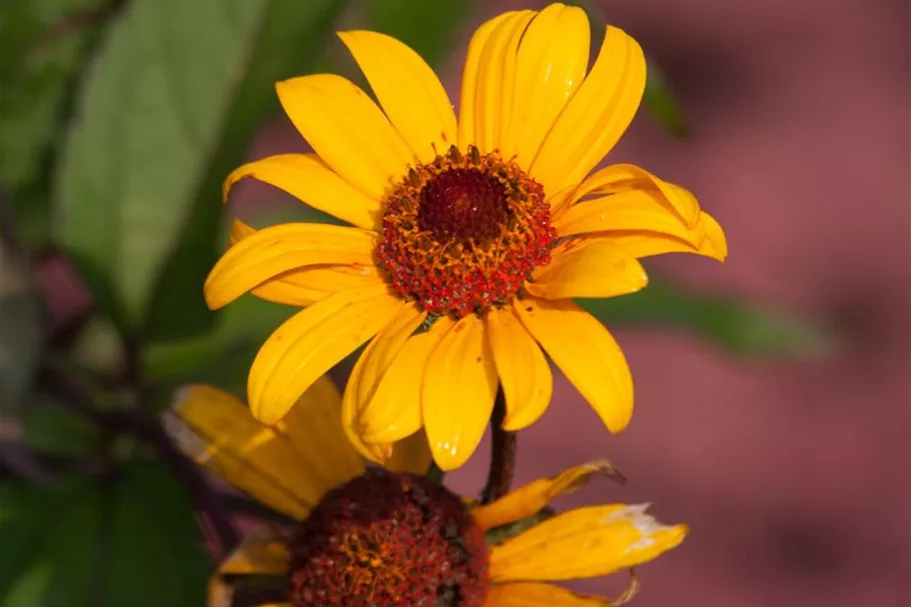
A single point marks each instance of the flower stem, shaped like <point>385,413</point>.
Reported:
<point>503,454</point>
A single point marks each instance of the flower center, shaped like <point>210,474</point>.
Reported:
<point>464,232</point>
<point>387,540</point>
<point>463,204</point>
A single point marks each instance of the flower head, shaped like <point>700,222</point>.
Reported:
<point>469,238</point>
<point>367,537</point>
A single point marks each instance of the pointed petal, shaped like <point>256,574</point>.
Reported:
<point>595,117</point>
<point>310,180</point>
<point>583,543</point>
<point>458,390</point>
<point>394,410</point>
<point>487,96</point>
<point>348,131</point>
<point>408,91</point>
<point>303,287</point>
<point>531,498</point>
<point>270,252</point>
<point>653,192</point>
<point>586,353</point>
<point>588,267</point>
<point>550,65</point>
<point>523,371</point>
<point>311,342</point>
<point>536,594</point>
<point>218,432</point>
<point>366,374</point>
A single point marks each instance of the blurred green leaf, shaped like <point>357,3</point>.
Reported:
<point>289,40</point>
<point>161,108</point>
<point>55,429</point>
<point>20,327</point>
<point>43,48</point>
<point>427,27</point>
<point>659,99</point>
<point>128,538</point>
<point>738,326</point>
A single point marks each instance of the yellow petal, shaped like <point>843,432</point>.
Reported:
<point>348,131</point>
<point>394,410</point>
<point>314,425</point>
<point>627,211</point>
<point>487,98</point>
<point>470,79</point>
<point>218,432</point>
<point>588,267</point>
<point>531,498</point>
<point>655,193</point>
<point>716,243</point>
<point>303,287</point>
<point>365,376</point>
<point>408,91</point>
<point>309,179</point>
<point>411,454</point>
<point>311,342</point>
<point>523,371</point>
<point>583,543</point>
<point>643,243</point>
<point>458,391</point>
<point>586,353</point>
<point>595,117</point>
<point>550,66</point>
<point>271,252</point>
<point>536,594</point>
<point>262,552</point>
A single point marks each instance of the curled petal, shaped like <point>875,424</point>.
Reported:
<point>531,498</point>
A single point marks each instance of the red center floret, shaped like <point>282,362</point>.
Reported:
<point>463,233</point>
<point>389,540</point>
<point>463,204</point>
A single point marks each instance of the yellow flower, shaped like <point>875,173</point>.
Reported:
<point>372,538</point>
<point>480,230</point>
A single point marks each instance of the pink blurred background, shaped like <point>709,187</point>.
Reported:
<point>794,475</point>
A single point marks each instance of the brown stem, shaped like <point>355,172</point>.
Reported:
<point>503,454</point>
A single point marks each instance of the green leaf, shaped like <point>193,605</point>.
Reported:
<point>737,326</point>
<point>427,27</point>
<point>128,538</point>
<point>42,45</point>
<point>159,112</point>
<point>659,99</point>
<point>55,429</point>
<point>43,49</point>
<point>288,43</point>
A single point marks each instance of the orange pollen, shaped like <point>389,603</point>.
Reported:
<point>464,232</point>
